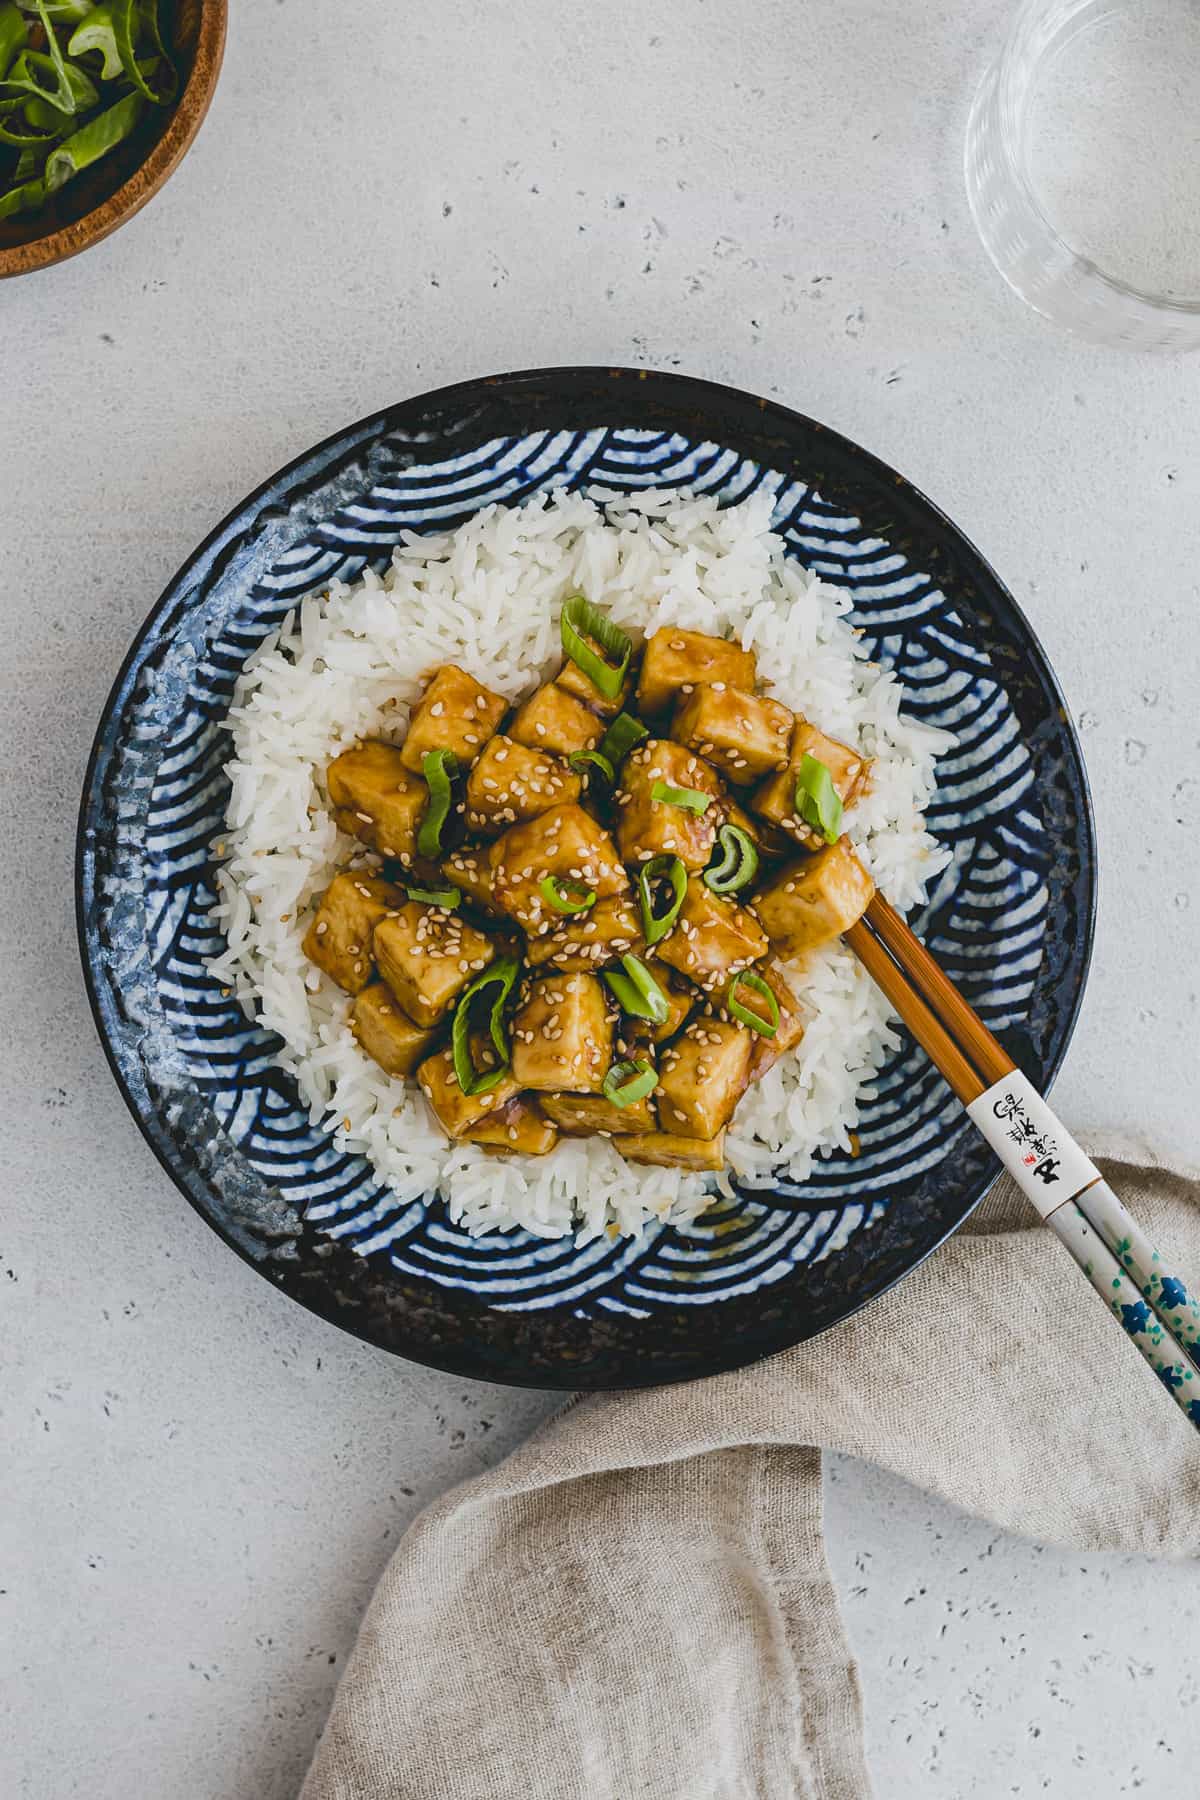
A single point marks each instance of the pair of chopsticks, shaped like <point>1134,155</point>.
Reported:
<point>1152,1305</point>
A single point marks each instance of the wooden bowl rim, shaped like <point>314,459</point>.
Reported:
<point>149,176</point>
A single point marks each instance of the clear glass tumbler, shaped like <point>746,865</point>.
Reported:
<point>1083,167</point>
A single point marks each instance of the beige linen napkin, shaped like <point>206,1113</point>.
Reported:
<point>637,1603</point>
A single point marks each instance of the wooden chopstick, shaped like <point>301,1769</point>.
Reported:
<point>932,1036</point>
<point>1151,1304</point>
<point>989,1056</point>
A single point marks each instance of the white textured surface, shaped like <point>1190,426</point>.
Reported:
<point>201,1481</point>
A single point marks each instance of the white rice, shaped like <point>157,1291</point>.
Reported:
<point>349,665</point>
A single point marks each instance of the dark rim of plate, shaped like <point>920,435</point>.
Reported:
<point>445,1329</point>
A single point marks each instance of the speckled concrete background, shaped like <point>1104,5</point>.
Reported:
<point>200,1481</point>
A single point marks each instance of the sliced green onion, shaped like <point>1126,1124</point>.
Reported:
<point>628,1082</point>
<point>624,732</point>
<point>637,992</point>
<point>35,76</point>
<point>448,898</point>
<point>27,197</point>
<point>92,141</point>
<point>95,31</point>
<point>817,800</point>
<point>471,1080</point>
<point>70,83</point>
<point>127,16</point>
<point>581,621</point>
<point>690,799</point>
<point>45,117</point>
<point>439,768</point>
<point>12,131</point>
<point>566,895</point>
<point>660,868</point>
<point>14,35</point>
<point>746,1015</point>
<point>738,862</point>
<point>80,94</point>
<point>582,760</point>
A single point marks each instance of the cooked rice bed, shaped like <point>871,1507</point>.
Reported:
<point>487,597</point>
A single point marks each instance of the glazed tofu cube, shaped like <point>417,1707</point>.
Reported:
<point>676,662</point>
<point>427,957</point>
<point>745,736</point>
<point>455,1111</point>
<point>766,1051</point>
<point>565,842</point>
<point>521,1128</point>
<point>562,1035</point>
<point>572,680</point>
<point>648,827</point>
<point>339,938</point>
<point>775,800</point>
<point>712,939</point>
<point>673,1151</point>
<point>510,783</point>
<point>455,712</point>
<point>386,1033</point>
<point>701,1077</point>
<point>586,1115</point>
<point>813,901</point>
<point>767,839</point>
<point>554,720</point>
<point>469,869</point>
<point>588,940</point>
<point>376,799</point>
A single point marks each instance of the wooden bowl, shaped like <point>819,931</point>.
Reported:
<point>97,201</point>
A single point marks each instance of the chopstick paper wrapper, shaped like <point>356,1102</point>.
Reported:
<point>1037,1150</point>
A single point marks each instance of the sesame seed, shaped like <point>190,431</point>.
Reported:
<point>364,817</point>
<point>322,927</point>
<point>437,709</point>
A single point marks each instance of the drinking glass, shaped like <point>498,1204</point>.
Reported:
<point>1083,167</point>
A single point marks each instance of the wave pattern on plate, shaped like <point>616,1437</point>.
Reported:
<point>986,918</point>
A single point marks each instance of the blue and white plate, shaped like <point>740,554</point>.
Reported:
<point>1011,918</point>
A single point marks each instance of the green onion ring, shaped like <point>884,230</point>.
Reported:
<point>126,16</point>
<point>580,621</point>
<point>628,1082</point>
<point>582,760</point>
<point>688,799</point>
<point>438,767</point>
<point>14,35</point>
<point>637,992</point>
<point>620,738</point>
<point>471,1080</point>
<point>745,1015</point>
<point>95,32</point>
<point>102,133</point>
<point>448,898</point>
<point>70,96</point>
<point>817,800</point>
<point>660,868</point>
<point>551,888</point>
<point>738,863</point>
<point>28,196</point>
